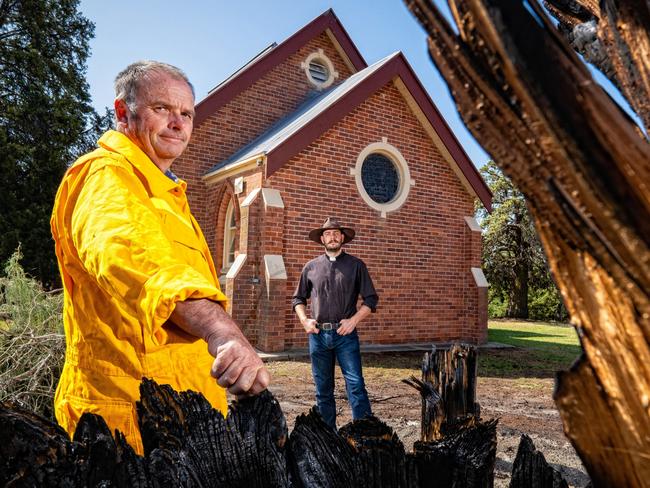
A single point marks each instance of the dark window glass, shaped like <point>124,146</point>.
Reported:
<point>380,178</point>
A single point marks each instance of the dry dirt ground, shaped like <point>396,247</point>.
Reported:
<point>522,405</point>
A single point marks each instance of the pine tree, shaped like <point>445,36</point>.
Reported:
<point>513,257</point>
<point>46,120</point>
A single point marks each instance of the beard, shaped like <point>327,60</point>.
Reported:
<point>333,246</point>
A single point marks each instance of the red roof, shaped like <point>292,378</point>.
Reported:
<point>263,64</point>
<point>351,94</point>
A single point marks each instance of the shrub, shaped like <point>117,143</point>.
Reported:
<point>32,344</point>
<point>497,305</point>
<point>546,304</point>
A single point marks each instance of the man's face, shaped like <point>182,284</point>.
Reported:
<point>163,119</point>
<point>332,239</point>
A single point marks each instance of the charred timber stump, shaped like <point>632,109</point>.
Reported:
<point>380,455</point>
<point>187,443</point>
<point>320,458</point>
<point>456,448</point>
<point>448,390</point>
<point>245,449</point>
<point>453,374</point>
<point>531,470</point>
<point>34,451</point>
<point>464,458</point>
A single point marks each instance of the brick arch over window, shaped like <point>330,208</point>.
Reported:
<point>228,210</point>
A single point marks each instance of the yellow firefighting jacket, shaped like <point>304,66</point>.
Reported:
<point>128,249</point>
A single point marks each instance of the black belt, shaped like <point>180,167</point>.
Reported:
<point>328,325</point>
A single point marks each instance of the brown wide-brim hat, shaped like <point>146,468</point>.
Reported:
<point>332,223</point>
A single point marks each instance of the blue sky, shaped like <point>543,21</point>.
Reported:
<point>211,39</point>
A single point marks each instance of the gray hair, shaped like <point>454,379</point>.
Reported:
<point>129,79</point>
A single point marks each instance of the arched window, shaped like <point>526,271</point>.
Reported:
<point>229,234</point>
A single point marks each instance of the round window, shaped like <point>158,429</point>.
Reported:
<point>380,178</point>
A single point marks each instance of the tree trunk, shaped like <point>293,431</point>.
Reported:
<point>518,299</point>
<point>584,169</point>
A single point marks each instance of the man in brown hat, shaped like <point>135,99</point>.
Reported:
<point>334,281</point>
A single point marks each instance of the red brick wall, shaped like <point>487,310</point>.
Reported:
<point>247,116</point>
<point>419,256</point>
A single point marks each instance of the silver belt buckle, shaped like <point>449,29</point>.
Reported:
<point>328,326</point>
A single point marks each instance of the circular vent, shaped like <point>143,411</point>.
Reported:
<point>318,71</point>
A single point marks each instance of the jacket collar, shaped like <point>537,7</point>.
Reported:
<point>119,143</point>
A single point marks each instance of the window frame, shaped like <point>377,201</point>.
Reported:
<point>229,237</point>
<point>320,57</point>
<point>405,181</point>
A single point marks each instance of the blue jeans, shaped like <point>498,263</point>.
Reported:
<point>324,348</point>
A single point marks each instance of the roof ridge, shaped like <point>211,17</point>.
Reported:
<point>270,58</point>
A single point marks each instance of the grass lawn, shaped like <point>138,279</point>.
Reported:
<point>541,348</point>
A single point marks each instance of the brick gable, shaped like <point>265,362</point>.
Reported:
<point>420,256</point>
<point>247,116</point>
<point>417,256</point>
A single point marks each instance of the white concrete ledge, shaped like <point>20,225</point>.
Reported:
<point>479,278</point>
<point>250,198</point>
<point>272,198</point>
<point>473,224</point>
<point>236,266</point>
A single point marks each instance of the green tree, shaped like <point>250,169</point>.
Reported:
<point>513,257</point>
<point>46,120</point>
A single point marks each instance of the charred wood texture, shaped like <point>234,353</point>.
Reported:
<point>365,453</point>
<point>615,37</point>
<point>531,470</point>
<point>584,168</point>
<point>456,448</point>
<point>380,454</point>
<point>187,443</point>
<point>465,458</point>
<point>319,456</point>
<point>448,390</point>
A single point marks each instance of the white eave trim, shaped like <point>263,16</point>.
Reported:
<point>234,168</point>
<point>341,51</point>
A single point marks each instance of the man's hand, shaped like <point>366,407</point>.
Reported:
<point>310,326</point>
<point>347,326</point>
<point>237,366</point>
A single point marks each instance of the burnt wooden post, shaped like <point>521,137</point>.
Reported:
<point>452,372</point>
<point>456,448</point>
<point>530,469</point>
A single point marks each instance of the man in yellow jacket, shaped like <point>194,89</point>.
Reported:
<point>141,294</point>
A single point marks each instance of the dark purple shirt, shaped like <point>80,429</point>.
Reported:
<point>334,287</point>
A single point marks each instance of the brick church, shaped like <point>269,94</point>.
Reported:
<point>307,130</point>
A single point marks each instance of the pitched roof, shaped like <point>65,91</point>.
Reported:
<point>295,132</point>
<point>287,127</point>
<point>276,54</point>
